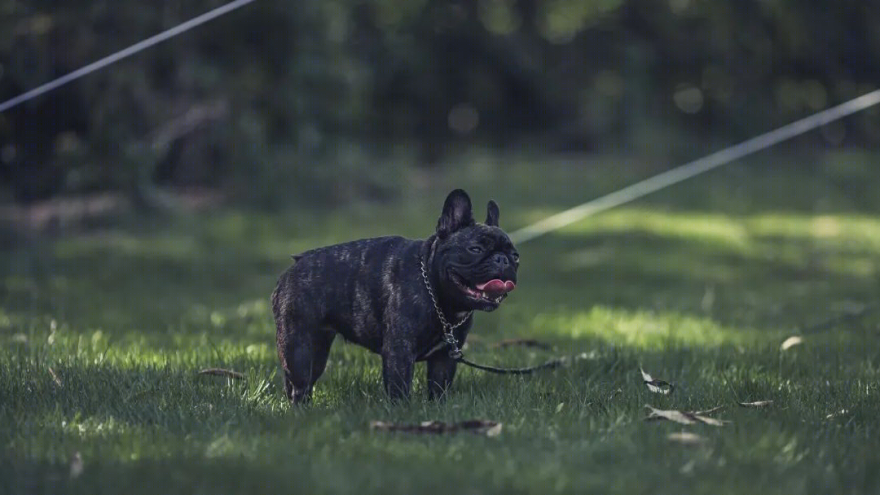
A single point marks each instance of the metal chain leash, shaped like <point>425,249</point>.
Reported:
<point>448,328</point>
<point>455,351</point>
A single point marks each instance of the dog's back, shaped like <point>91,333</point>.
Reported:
<point>337,287</point>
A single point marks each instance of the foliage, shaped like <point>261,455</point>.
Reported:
<point>328,98</point>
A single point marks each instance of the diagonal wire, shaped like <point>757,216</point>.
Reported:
<point>124,53</point>
<point>694,168</point>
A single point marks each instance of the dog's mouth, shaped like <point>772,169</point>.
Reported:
<point>492,291</point>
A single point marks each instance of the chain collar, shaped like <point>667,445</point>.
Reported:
<point>448,328</point>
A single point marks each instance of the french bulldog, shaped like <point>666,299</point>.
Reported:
<point>395,297</point>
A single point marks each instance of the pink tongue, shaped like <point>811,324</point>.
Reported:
<point>497,286</point>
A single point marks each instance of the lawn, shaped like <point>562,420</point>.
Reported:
<point>103,331</point>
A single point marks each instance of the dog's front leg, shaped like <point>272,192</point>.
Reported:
<point>397,372</point>
<point>441,371</point>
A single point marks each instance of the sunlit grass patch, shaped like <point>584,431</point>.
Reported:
<point>858,230</point>
<point>644,329</point>
<point>737,232</point>
<point>719,230</point>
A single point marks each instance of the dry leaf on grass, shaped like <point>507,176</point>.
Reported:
<point>494,431</point>
<point>836,414</point>
<point>708,411</point>
<point>688,468</point>
<point>791,342</point>
<point>756,404</point>
<point>55,378</point>
<point>477,426</point>
<point>681,417</point>
<point>671,415</point>
<point>656,386</point>
<point>686,438</point>
<point>221,372</point>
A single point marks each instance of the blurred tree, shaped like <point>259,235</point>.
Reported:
<point>283,94</point>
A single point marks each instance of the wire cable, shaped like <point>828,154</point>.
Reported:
<point>124,53</point>
<point>694,168</point>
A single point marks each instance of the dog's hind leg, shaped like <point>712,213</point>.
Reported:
<point>303,349</point>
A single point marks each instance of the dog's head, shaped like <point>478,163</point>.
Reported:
<point>475,263</point>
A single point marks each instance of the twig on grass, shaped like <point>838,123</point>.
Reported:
<point>709,411</point>
<point>524,342</point>
<point>477,426</point>
<point>235,375</point>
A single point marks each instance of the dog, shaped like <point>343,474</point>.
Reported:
<point>397,297</point>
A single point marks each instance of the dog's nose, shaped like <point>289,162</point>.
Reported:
<point>501,260</point>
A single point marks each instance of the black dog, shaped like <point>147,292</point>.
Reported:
<point>391,295</point>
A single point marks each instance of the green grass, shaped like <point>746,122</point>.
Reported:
<point>698,284</point>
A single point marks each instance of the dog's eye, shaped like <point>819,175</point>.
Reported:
<point>515,257</point>
<point>475,249</point>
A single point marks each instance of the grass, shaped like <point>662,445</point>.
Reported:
<point>698,284</point>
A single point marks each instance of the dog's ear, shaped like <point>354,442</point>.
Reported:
<point>456,213</point>
<point>492,214</point>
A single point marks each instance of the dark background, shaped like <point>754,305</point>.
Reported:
<point>325,102</point>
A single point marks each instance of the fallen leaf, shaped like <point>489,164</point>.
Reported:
<point>686,438</point>
<point>709,421</point>
<point>838,413</point>
<point>559,407</point>
<point>494,431</point>
<point>671,415</point>
<point>55,378</point>
<point>688,468</point>
<point>656,386</point>
<point>756,404</point>
<point>76,465</point>
<point>791,342</point>
<point>681,417</point>
<point>708,411</point>
<point>477,426</point>
<point>221,372</point>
